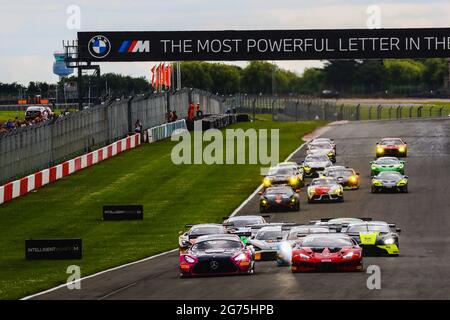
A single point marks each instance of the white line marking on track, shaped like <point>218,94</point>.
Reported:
<point>99,273</point>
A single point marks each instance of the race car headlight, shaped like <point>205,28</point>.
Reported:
<point>402,149</point>
<point>264,201</point>
<point>348,255</point>
<point>330,154</point>
<point>377,183</point>
<point>189,259</point>
<point>304,256</point>
<point>401,182</point>
<point>374,166</point>
<point>389,241</point>
<point>241,257</point>
<point>337,190</point>
<point>307,169</point>
<point>293,180</point>
<point>267,182</point>
<point>380,150</point>
<point>293,200</point>
<point>353,179</point>
<point>311,191</point>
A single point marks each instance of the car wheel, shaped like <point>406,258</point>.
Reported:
<point>373,189</point>
<point>310,200</point>
<point>262,209</point>
<point>405,189</point>
<point>297,207</point>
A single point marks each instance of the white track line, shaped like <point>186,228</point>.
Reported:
<point>98,273</point>
<point>164,253</point>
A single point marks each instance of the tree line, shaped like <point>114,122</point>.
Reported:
<point>348,77</point>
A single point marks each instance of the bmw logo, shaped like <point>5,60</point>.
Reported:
<point>214,265</point>
<point>99,46</point>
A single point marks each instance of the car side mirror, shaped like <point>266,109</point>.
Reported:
<point>398,230</point>
<point>308,185</point>
<point>298,191</point>
<point>279,238</point>
<point>357,173</point>
<point>260,193</point>
<point>371,162</point>
<point>406,177</point>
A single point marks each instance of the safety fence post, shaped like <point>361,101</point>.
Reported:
<point>358,112</point>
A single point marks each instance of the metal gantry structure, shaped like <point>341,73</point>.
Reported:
<point>73,60</point>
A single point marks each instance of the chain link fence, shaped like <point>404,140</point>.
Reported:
<point>28,149</point>
<point>303,108</point>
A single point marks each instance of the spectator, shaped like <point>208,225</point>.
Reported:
<point>138,126</point>
<point>9,125</point>
<point>199,112</point>
<point>191,111</point>
<point>170,117</point>
<point>234,110</point>
<point>228,110</point>
<point>174,116</point>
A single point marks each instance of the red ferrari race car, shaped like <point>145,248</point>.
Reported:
<point>394,147</point>
<point>217,255</point>
<point>327,252</point>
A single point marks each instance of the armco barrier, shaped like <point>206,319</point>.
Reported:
<point>165,131</point>
<point>35,181</point>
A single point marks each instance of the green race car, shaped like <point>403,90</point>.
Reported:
<point>386,164</point>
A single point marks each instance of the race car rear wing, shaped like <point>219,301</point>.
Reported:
<point>328,219</point>
<point>265,216</point>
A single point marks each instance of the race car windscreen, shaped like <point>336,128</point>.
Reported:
<point>322,145</point>
<point>268,234</point>
<point>287,191</point>
<point>389,175</point>
<point>296,232</point>
<point>216,244</point>
<point>391,142</point>
<point>369,228</point>
<point>326,241</point>
<point>387,161</point>
<point>340,173</point>
<point>323,182</point>
<point>316,158</point>
<point>206,230</point>
<point>281,171</point>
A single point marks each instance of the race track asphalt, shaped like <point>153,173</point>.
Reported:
<point>420,272</point>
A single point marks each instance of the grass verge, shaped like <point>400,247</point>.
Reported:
<point>172,196</point>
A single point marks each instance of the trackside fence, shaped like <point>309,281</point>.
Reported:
<point>41,178</point>
<point>165,130</point>
<point>29,149</point>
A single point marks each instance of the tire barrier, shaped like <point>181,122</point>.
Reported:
<point>165,130</point>
<point>39,179</point>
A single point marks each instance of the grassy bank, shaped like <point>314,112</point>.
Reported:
<point>172,196</point>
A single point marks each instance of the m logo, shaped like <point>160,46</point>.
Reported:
<point>133,46</point>
<point>214,265</point>
<point>99,46</point>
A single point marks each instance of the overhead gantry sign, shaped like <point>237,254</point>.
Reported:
<point>264,44</point>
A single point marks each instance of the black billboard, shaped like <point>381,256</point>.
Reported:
<point>49,249</point>
<point>123,212</point>
<point>264,44</point>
